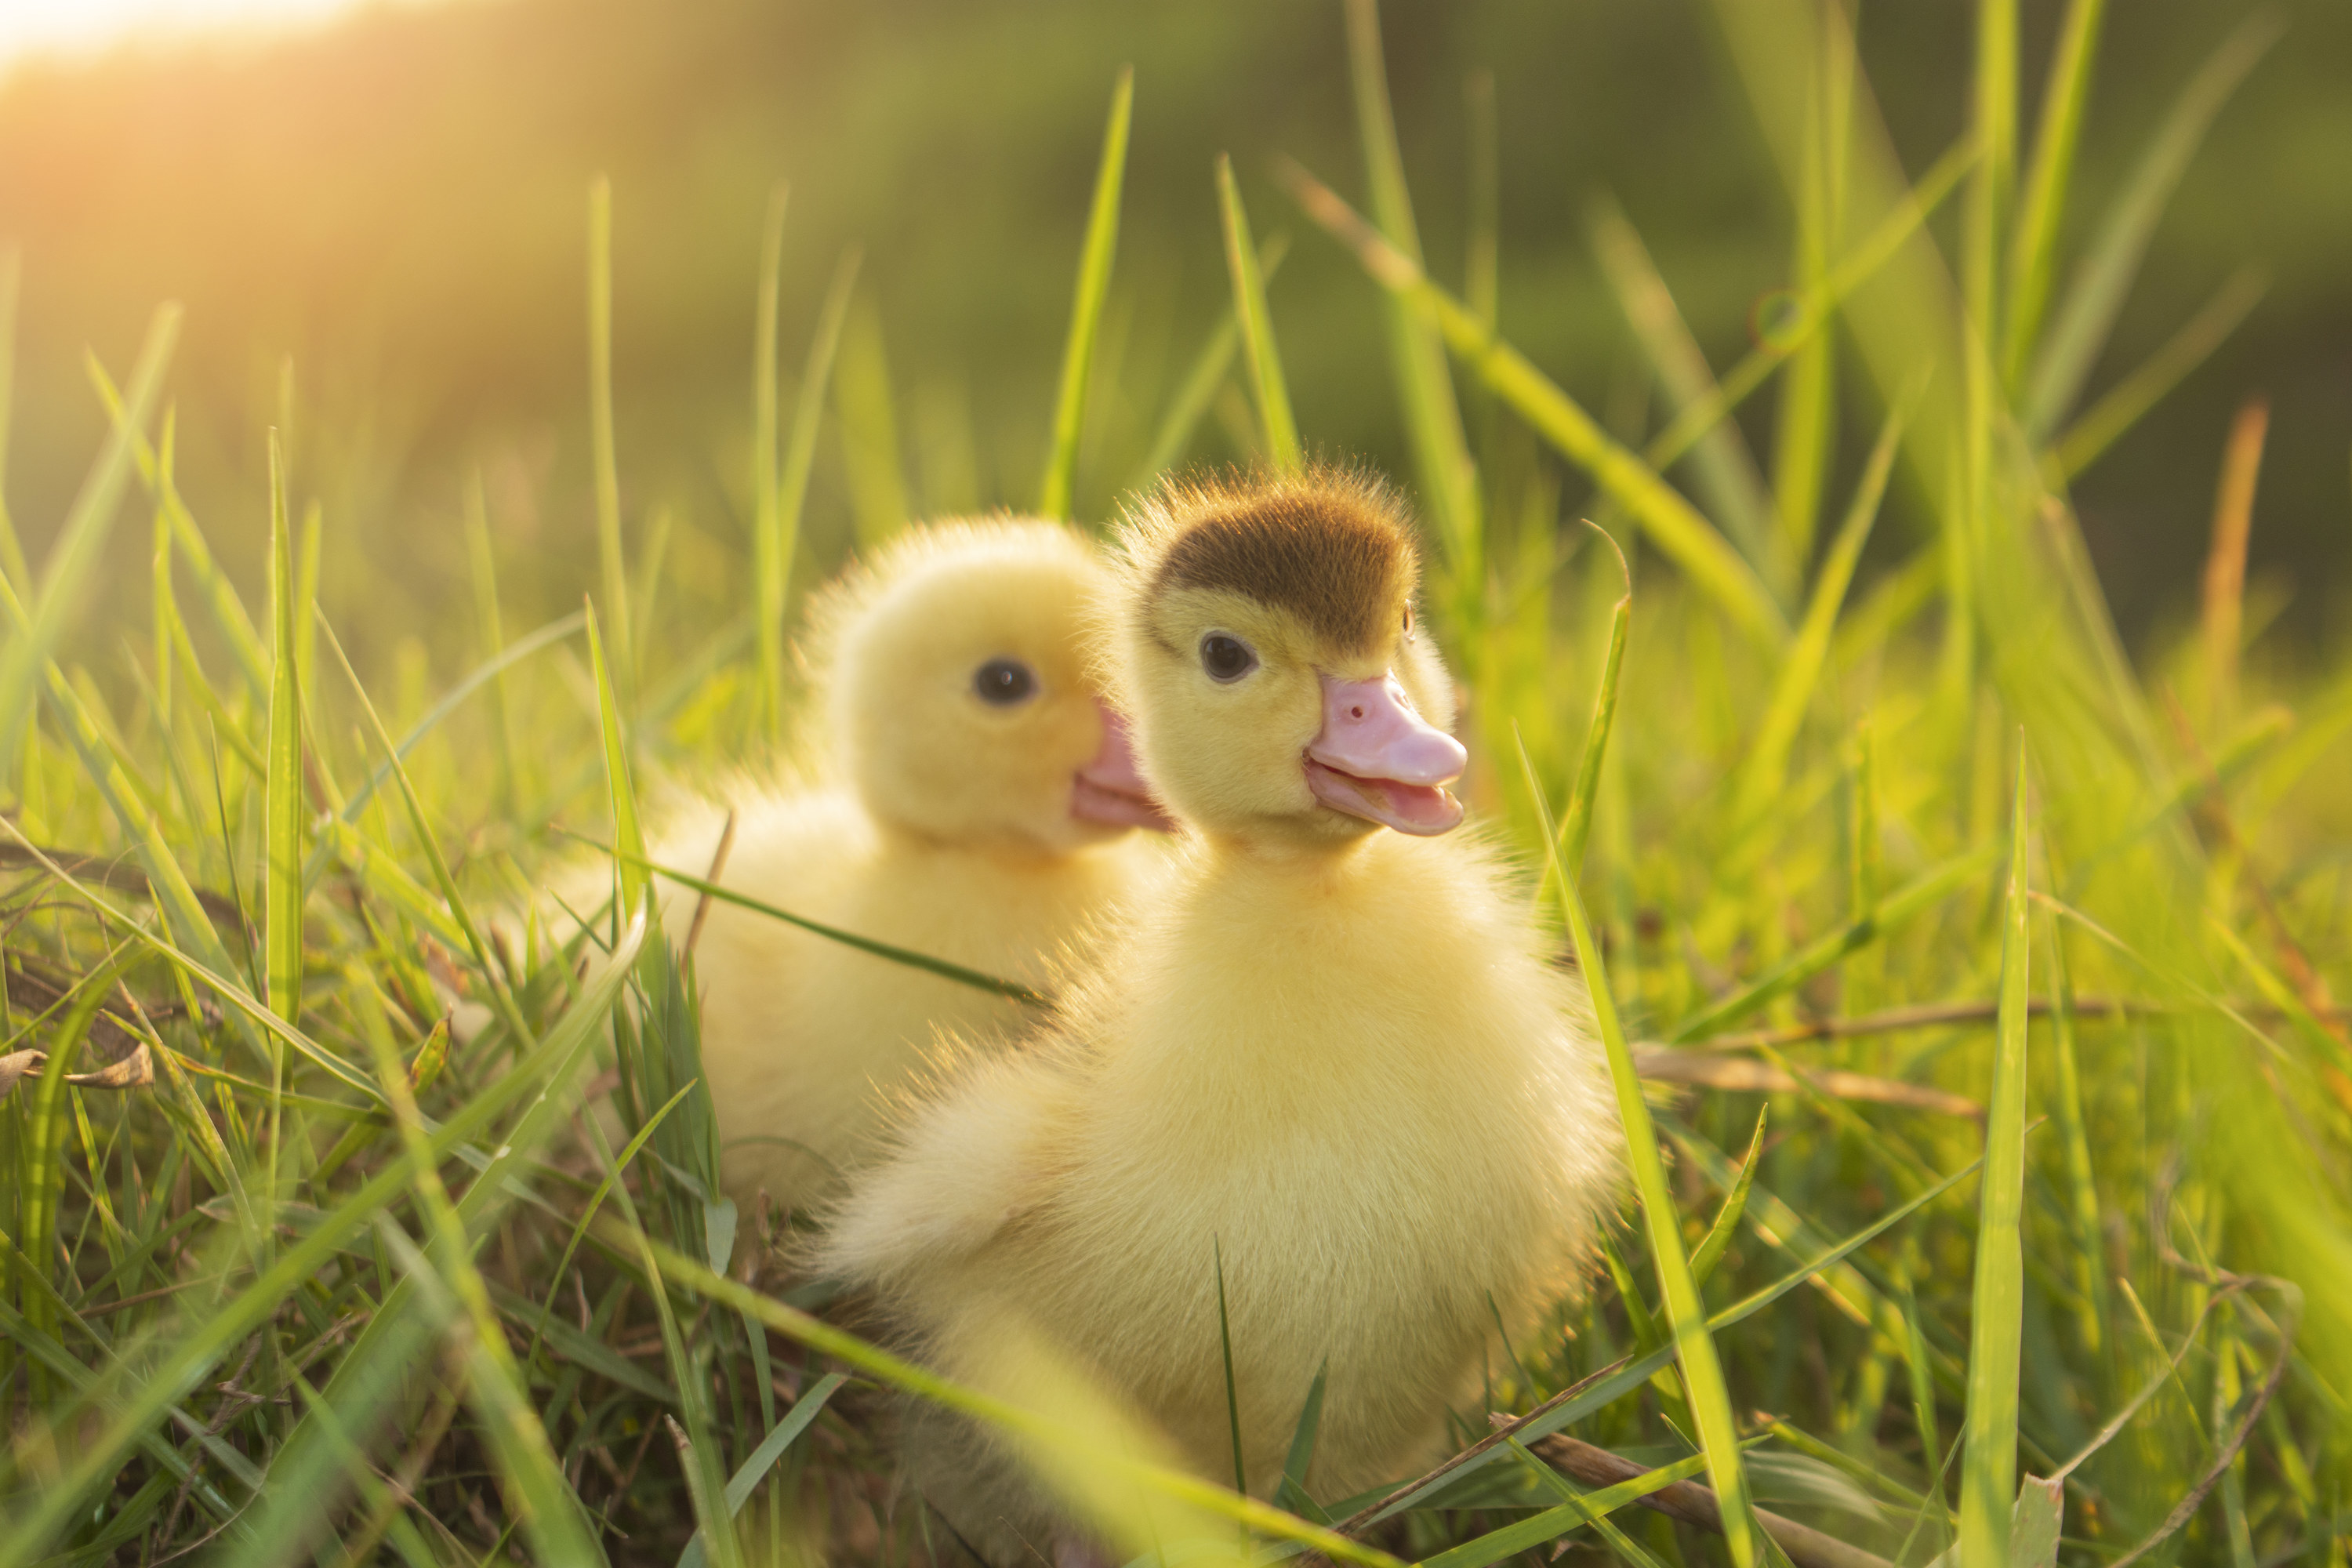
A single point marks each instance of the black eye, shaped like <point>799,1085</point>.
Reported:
<point>1408,620</point>
<point>1001,682</point>
<point>1225,657</point>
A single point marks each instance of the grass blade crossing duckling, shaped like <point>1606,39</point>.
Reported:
<point>972,803</point>
<point>1330,1051</point>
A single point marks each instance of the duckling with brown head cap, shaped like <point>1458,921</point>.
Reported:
<point>1330,1053</point>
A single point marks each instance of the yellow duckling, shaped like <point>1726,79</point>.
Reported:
<point>978,800</point>
<point>1331,1053</point>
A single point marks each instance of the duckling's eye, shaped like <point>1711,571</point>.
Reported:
<point>1001,682</point>
<point>1408,620</point>
<point>1225,657</point>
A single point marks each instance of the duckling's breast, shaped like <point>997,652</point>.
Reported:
<point>1361,1094</point>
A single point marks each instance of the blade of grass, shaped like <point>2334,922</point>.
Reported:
<point>1723,467</point>
<point>1200,384</point>
<point>2122,406</point>
<point>1921,1369</point>
<point>1233,1399</point>
<point>1685,537</point>
<point>1989,1462</point>
<point>178,1370</point>
<point>2033,242</point>
<point>281,883</point>
<point>1292,1493</point>
<point>1416,354</point>
<point>308,556</point>
<point>802,1414</point>
<point>1994,113</point>
<point>775,570</point>
<point>612,560</point>
<point>867,416</point>
<point>2222,597</point>
<point>765,428</point>
<point>1804,432</point>
<point>1709,1397</point>
<point>1863,861</point>
<point>164,606</point>
<point>1973,510</point>
<point>763,1459</point>
<point>1719,1235</point>
<point>490,629</point>
<point>907,956</point>
<point>629,836</point>
<point>2080,1173</point>
<point>1576,819</point>
<point>1766,768</point>
<point>2087,311</point>
<point>1086,308</point>
<point>1273,392</point>
<point>81,540</point>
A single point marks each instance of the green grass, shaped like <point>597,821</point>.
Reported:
<point>291,1272</point>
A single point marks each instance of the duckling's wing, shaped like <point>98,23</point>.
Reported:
<point>967,1166</point>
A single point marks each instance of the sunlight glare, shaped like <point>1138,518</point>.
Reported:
<point>83,28</point>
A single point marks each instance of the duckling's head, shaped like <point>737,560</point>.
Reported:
<point>1265,645</point>
<point>963,708</point>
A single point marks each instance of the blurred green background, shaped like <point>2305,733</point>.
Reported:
<point>398,203</point>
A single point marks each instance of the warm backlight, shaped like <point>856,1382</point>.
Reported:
<point>72,28</point>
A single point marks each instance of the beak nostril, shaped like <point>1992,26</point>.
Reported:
<point>1355,712</point>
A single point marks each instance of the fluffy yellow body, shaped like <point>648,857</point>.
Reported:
<point>1393,1124</point>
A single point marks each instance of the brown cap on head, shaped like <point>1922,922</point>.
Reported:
<point>1329,546</point>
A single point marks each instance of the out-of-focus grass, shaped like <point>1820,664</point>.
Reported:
<point>291,1273</point>
<point>307,197</point>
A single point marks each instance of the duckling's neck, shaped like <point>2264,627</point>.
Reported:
<point>1354,969</point>
<point>1314,859</point>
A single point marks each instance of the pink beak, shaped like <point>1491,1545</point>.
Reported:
<point>1110,790</point>
<point>1377,759</point>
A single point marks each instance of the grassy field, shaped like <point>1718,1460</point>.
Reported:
<point>1995,1153</point>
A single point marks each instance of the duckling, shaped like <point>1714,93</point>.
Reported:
<point>975,807</point>
<point>1329,1062</point>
